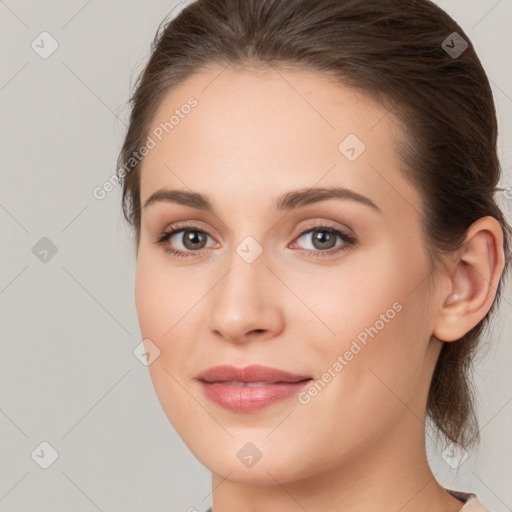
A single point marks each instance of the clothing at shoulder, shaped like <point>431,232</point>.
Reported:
<point>471,503</point>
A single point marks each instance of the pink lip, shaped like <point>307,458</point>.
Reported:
<point>275,385</point>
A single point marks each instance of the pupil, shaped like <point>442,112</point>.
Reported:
<point>324,237</point>
<point>191,238</point>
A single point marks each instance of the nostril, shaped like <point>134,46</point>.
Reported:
<point>258,330</point>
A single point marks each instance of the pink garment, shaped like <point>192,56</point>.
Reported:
<point>471,502</point>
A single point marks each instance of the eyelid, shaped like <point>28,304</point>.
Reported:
<point>191,225</point>
<point>318,224</point>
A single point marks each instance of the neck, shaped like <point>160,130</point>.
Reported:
<point>393,474</point>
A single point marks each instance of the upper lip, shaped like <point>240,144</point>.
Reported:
<point>253,373</point>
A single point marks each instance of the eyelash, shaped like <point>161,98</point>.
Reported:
<point>348,240</point>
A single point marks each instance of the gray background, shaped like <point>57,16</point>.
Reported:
<point>68,324</point>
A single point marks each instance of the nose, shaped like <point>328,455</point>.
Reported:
<point>245,304</point>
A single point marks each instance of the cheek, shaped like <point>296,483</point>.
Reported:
<point>387,343</point>
<point>355,299</point>
<point>374,315</point>
<point>161,298</point>
<point>371,368</point>
<point>161,309</point>
<point>166,305</point>
<point>148,298</point>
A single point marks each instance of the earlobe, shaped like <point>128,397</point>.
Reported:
<point>474,280</point>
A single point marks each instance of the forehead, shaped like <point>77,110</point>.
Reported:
<point>266,129</point>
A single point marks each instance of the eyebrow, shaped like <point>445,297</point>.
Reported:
<point>287,201</point>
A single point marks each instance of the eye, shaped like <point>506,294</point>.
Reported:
<point>323,240</point>
<point>188,239</point>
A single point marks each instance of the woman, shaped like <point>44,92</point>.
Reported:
<point>311,186</point>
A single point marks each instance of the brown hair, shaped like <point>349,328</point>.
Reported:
<point>394,50</point>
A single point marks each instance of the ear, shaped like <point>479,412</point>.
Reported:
<point>474,278</point>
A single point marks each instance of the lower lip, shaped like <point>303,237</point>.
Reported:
<point>246,399</point>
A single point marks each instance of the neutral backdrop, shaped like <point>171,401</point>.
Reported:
<point>68,374</point>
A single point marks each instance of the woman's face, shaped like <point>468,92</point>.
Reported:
<point>280,271</point>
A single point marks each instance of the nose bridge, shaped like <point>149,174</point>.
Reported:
<point>243,281</point>
<point>246,264</point>
<point>242,301</point>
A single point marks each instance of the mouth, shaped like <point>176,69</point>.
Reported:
<point>235,384</point>
<point>250,374</point>
<point>251,388</point>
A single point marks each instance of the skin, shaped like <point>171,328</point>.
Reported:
<point>358,445</point>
